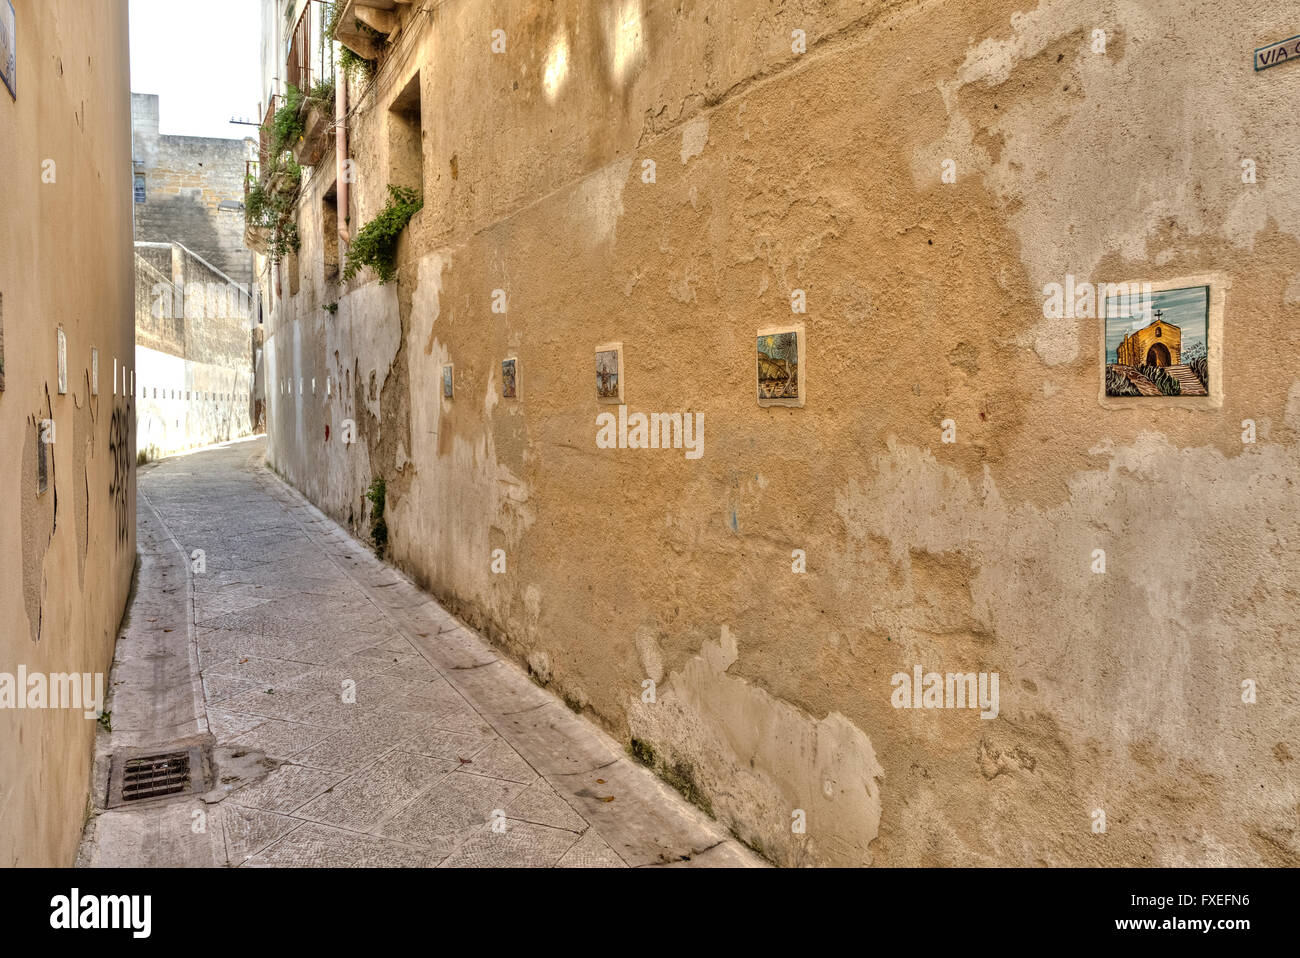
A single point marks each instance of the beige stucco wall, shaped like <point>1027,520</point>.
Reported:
<point>822,171</point>
<point>66,557</point>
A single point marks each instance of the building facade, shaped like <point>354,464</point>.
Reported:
<point>882,191</point>
<point>190,190</point>
<point>194,353</point>
<point>1156,344</point>
<point>67,346</point>
<point>197,288</point>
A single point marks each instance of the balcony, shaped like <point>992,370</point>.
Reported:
<point>365,25</point>
<point>317,121</point>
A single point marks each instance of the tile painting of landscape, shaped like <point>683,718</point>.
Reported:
<point>608,386</point>
<point>509,388</point>
<point>778,365</point>
<point>1160,351</point>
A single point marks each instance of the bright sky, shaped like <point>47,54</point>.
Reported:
<point>1186,308</point>
<point>203,59</point>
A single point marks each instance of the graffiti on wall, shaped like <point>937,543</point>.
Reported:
<point>120,444</point>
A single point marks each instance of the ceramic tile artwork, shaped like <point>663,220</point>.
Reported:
<point>1157,345</point>
<point>509,379</point>
<point>62,346</point>
<point>779,371</point>
<point>609,373</point>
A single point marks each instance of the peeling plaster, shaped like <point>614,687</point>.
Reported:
<point>758,759</point>
<point>1105,171</point>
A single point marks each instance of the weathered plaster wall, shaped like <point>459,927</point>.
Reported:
<point>66,556</point>
<point>822,171</point>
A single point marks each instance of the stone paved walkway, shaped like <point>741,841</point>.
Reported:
<point>445,741</point>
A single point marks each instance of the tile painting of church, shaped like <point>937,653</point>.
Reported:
<point>1160,349</point>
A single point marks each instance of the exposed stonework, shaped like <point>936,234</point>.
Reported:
<point>193,190</point>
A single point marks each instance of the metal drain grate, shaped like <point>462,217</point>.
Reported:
<point>138,778</point>
<point>155,776</point>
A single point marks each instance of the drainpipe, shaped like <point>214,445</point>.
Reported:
<point>341,149</point>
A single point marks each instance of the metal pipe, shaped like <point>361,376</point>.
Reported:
<point>341,149</point>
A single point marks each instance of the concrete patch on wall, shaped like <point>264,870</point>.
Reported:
<point>38,522</point>
<point>462,501</point>
<point>756,762</point>
<point>695,137</point>
<point>598,202</point>
<point>369,326</point>
<point>1146,651</point>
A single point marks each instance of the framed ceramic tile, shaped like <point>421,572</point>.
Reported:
<point>447,390</point>
<point>781,375</point>
<point>510,378</point>
<point>1162,342</point>
<point>62,342</point>
<point>609,373</point>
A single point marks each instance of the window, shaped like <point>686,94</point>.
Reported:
<point>405,138</point>
<point>139,188</point>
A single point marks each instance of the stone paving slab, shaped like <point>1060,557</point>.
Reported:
<point>351,720</point>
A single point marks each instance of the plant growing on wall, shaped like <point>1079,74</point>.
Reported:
<point>322,95</point>
<point>377,494</point>
<point>287,125</point>
<point>375,244</point>
<point>271,205</point>
<point>352,62</point>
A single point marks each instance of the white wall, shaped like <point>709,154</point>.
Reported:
<point>184,404</point>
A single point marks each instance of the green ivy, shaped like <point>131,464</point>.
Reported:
<point>375,244</point>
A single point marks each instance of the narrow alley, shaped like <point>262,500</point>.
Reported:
<point>344,718</point>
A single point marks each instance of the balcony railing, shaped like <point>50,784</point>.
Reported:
<point>298,70</point>
<point>264,152</point>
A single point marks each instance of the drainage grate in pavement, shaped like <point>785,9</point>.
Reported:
<point>138,778</point>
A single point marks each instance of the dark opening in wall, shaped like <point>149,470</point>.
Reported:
<point>405,138</point>
<point>329,221</point>
<point>42,458</point>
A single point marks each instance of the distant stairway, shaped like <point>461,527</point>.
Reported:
<point>1187,381</point>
